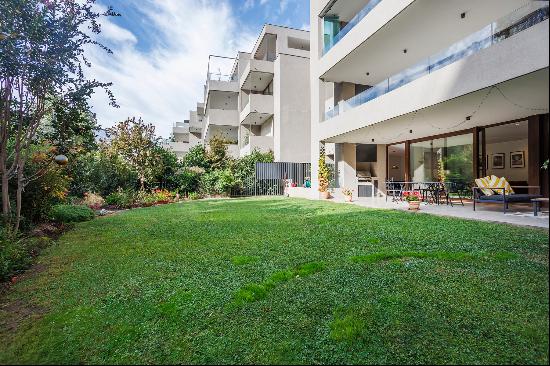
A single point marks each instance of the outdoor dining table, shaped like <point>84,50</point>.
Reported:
<point>430,191</point>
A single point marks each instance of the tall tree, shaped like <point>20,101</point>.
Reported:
<point>42,56</point>
<point>135,141</point>
<point>71,127</point>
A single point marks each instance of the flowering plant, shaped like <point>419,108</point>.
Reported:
<point>347,191</point>
<point>412,196</point>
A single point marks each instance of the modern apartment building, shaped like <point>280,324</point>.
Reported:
<point>273,96</point>
<point>196,125</point>
<point>221,93</point>
<point>408,90</point>
<point>179,141</point>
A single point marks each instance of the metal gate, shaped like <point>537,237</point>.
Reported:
<point>269,179</point>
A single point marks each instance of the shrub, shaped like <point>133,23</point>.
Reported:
<point>196,157</point>
<point>217,182</point>
<point>217,153</point>
<point>162,196</point>
<point>193,196</point>
<point>101,173</point>
<point>71,213</point>
<point>93,201</point>
<point>166,174</point>
<point>224,182</point>
<point>122,198</point>
<point>48,186</point>
<point>187,179</point>
<point>16,255</point>
<point>245,167</point>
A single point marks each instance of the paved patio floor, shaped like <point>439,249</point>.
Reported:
<point>518,214</point>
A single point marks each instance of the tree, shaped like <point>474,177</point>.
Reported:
<point>168,168</point>
<point>42,57</point>
<point>71,127</point>
<point>196,157</point>
<point>135,141</point>
<point>217,153</point>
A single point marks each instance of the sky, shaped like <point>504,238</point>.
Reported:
<point>161,48</point>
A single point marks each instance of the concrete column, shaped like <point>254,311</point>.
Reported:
<point>381,167</point>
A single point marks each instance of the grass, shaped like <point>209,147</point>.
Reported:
<point>282,281</point>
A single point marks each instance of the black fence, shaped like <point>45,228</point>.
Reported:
<point>269,179</point>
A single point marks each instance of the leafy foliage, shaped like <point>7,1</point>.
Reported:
<point>217,153</point>
<point>324,171</point>
<point>42,57</point>
<point>71,213</point>
<point>217,182</point>
<point>196,157</point>
<point>47,185</point>
<point>17,255</point>
<point>245,166</point>
<point>71,127</point>
<point>100,172</point>
<point>136,143</point>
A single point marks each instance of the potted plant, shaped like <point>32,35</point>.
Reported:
<point>348,194</point>
<point>413,198</point>
<point>324,175</point>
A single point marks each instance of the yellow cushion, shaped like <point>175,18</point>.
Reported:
<point>500,183</point>
<point>483,183</point>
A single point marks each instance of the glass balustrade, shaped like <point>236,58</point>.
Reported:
<point>221,77</point>
<point>334,34</point>
<point>521,19</point>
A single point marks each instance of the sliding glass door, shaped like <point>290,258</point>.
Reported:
<point>448,159</point>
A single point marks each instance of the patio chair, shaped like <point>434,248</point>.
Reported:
<point>395,190</point>
<point>503,198</point>
<point>453,190</point>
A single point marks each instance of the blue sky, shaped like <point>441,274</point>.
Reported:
<point>161,50</point>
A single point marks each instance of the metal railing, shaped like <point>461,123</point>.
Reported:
<point>516,22</point>
<point>269,179</point>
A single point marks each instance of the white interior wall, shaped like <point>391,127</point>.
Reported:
<point>511,174</point>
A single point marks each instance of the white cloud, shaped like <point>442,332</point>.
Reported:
<point>248,4</point>
<point>164,83</point>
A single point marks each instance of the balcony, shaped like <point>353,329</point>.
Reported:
<point>333,33</point>
<point>260,143</point>
<point>221,84</point>
<point>257,75</point>
<point>258,109</point>
<point>222,117</point>
<point>179,148</point>
<point>195,122</point>
<point>180,128</point>
<point>490,86</point>
<point>515,23</point>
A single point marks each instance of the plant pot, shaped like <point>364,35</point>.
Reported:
<point>325,195</point>
<point>348,198</point>
<point>414,205</point>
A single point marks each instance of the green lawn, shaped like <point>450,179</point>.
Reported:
<point>282,281</point>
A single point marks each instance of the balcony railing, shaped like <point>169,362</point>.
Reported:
<point>518,21</point>
<point>221,77</point>
<point>352,23</point>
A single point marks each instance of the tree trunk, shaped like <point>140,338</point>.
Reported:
<point>5,196</point>
<point>18,199</point>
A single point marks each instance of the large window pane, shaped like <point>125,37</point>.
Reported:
<point>448,159</point>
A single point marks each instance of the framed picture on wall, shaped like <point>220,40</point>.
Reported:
<point>498,161</point>
<point>517,159</point>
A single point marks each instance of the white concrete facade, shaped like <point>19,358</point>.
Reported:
<point>274,95</point>
<point>179,141</point>
<point>384,72</point>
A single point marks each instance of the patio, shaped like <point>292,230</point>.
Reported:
<point>518,214</point>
